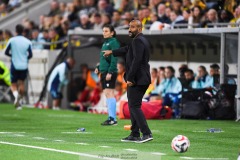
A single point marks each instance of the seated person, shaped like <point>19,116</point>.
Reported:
<point>214,72</point>
<point>120,79</point>
<point>171,91</point>
<point>203,79</point>
<point>91,89</point>
<point>188,80</point>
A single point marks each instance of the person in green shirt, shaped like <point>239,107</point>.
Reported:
<point>108,71</point>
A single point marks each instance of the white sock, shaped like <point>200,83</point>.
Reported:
<point>15,94</point>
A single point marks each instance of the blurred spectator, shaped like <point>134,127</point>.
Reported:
<point>54,8</point>
<point>215,74</point>
<point>176,6</point>
<point>171,92</point>
<point>126,6</point>
<point>154,79</point>
<point>7,34</point>
<point>89,8</point>
<point>225,16</point>
<point>104,7</point>
<point>200,3</point>
<point>156,25</point>
<point>106,19</point>
<point>83,23</point>
<point>62,8</point>
<point>57,25</point>
<point>186,15</point>
<point>181,70</point>
<point>188,80</point>
<point>116,19</point>
<point>3,10</point>
<point>55,39</point>
<point>12,4</point>
<point>72,13</point>
<point>175,17</point>
<point>147,19</point>
<point>236,15</point>
<point>37,40</point>
<point>120,79</point>
<point>196,17</point>
<point>161,14</point>
<point>187,5</point>
<point>153,4</point>
<point>212,19</point>
<point>89,88</point>
<point>97,21</point>
<point>203,80</point>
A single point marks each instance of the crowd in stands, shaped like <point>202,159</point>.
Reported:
<point>92,14</point>
<point>7,6</point>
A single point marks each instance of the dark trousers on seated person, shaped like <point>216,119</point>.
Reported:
<point>135,95</point>
<point>172,100</point>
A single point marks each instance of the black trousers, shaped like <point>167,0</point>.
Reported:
<point>135,95</point>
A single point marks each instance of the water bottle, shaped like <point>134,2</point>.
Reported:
<point>214,130</point>
<point>81,129</point>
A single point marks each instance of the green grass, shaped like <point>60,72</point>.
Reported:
<point>51,125</point>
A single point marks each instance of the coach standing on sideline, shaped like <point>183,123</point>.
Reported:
<point>19,49</point>
<point>138,79</point>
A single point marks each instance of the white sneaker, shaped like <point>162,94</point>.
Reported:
<point>16,102</point>
<point>55,108</point>
<point>19,108</point>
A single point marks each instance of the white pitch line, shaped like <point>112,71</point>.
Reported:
<point>58,140</point>
<point>77,132</point>
<point>84,144</point>
<point>131,150</point>
<point>204,158</point>
<point>57,150</point>
<point>19,135</point>
<point>207,131</point>
<point>40,138</point>
<point>159,153</point>
<point>105,146</point>
<point>11,132</point>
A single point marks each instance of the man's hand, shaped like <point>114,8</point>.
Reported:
<point>107,53</point>
<point>129,83</point>
<point>108,77</point>
<point>96,71</point>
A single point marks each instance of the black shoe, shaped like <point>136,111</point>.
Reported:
<point>130,138</point>
<point>145,138</point>
<point>109,122</point>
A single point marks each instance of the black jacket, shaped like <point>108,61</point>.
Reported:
<point>136,56</point>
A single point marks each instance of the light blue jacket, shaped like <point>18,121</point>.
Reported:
<point>171,85</point>
<point>19,49</point>
<point>203,82</point>
<point>58,77</point>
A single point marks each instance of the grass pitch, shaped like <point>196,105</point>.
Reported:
<point>34,134</point>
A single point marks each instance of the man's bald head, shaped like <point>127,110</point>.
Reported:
<point>135,27</point>
<point>138,22</point>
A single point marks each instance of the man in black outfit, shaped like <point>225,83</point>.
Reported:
<point>137,76</point>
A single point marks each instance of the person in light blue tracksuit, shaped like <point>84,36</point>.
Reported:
<point>19,49</point>
<point>171,90</point>
<point>57,80</point>
<point>203,80</point>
